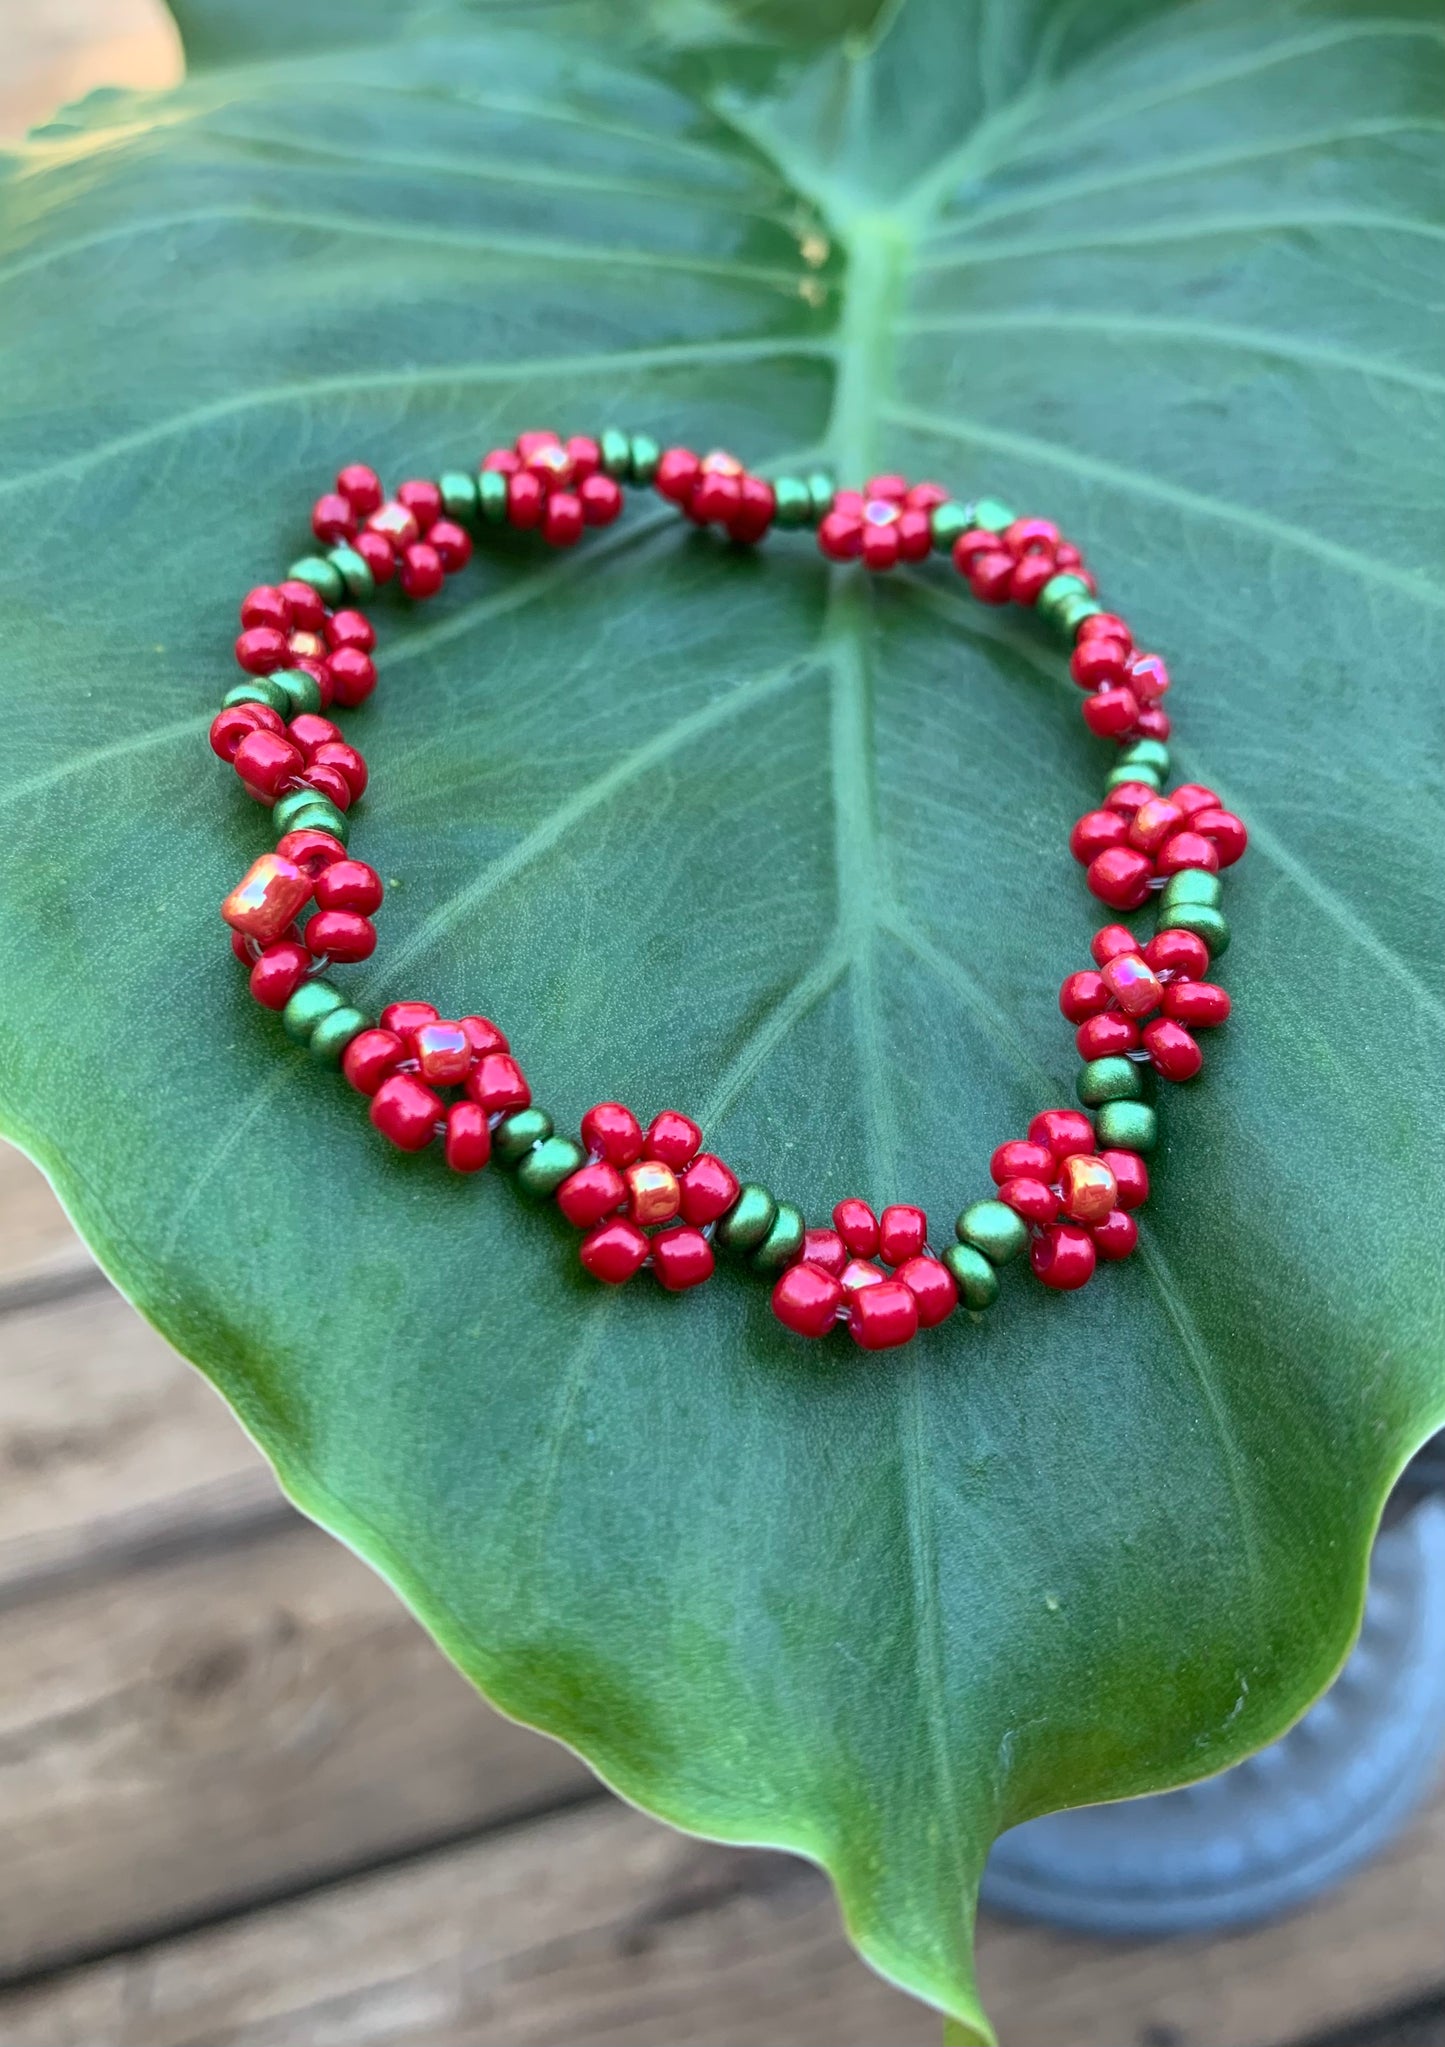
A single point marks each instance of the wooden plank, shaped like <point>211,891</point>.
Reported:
<point>39,1251</point>
<point>225,1727</point>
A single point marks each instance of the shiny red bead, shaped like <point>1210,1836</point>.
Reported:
<point>403,1017</point>
<point>884,1316</point>
<point>1064,1131</point>
<point>341,935</point>
<point>1153,822</point>
<point>260,649</point>
<point>601,498</point>
<point>279,972</point>
<point>1177,952</point>
<point>361,487</point>
<point>421,571</point>
<point>1111,713</point>
<point>673,1138</point>
<point>498,1082</point>
<point>1019,1159</point>
<point>468,1139</point>
<point>1116,1236</point>
<point>840,537</point>
<point>1106,1037</point>
<point>932,1286</point>
<point>1030,577</point>
<point>349,885</point>
<point>860,1272</point>
<point>230,726</point>
<point>1148,677</point>
<point>807,1298</point>
<point>484,1036</point>
<point>1152,723</point>
<point>1224,830</point>
<point>1095,832</point>
<point>309,729</point>
<point>681,1258</point>
<point>353,676</point>
<point>265,606</point>
<point>1104,625</point>
<point>709,1189</point>
<point>378,554</point>
<point>677,472</point>
<point>1099,663</point>
<point>1192,796</point>
<point>1033,1199</point>
<point>1120,877</point>
<point>1133,983</point>
<point>1131,1176</point>
<point>592,1192</point>
<point>370,1058</point>
<point>991,578</point>
<point>1083,995</point>
<point>312,852</point>
<point>1186,849</point>
<point>825,1248</point>
<point>350,629</point>
<point>857,1225</point>
<point>1172,1049</point>
<point>562,519</point>
<point>902,1233</point>
<point>308,612</point>
<point>614,1132</point>
<point>1198,1003</point>
<point>407,1112</point>
<point>328,782</point>
<point>443,1052</point>
<point>423,500</point>
<point>1127,797</point>
<point>1109,941</point>
<point>614,1251</point>
<point>1063,1256</point>
<point>333,518</point>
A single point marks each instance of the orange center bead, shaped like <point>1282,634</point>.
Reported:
<point>653,1193</point>
<point>1088,1187</point>
<point>263,904</point>
<point>443,1052</point>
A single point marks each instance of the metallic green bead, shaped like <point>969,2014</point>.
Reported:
<point>259,690</point>
<point>992,516</point>
<point>821,490</point>
<point>1205,922</point>
<point>288,808</point>
<point>354,571</point>
<point>1072,613</point>
<point>975,1278</point>
<point>646,454</point>
<point>1192,885</point>
<point>784,1240</point>
<point>1126,1126</point>
<point>993,1228</point>
<point>1108,1080</point>
<point>1146,753</point>
<point>492,497</point>
<point>459,495</point>
<point>312,1001</point>
<point>302,692</point>
<point>323,576</point>
<point>320,816</point>
<point>748,1221</point>
<point>335,1032</point>
<point>515,1135</point>
<point>946,522</point>
<point>1055,591</point>
<point>1117,776</point>
<point>616,454</point>
<point>794,501</point>
<point>543,1169</point>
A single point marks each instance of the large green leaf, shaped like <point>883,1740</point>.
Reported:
<point>748,837</point>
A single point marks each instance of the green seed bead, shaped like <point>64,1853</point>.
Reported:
<point>323,576</point>
<point>1119,775</point>
<point>821,490</point>
<point>946,522</point>
<point>354,571</point>
<point>1146,753</point>
<point>1073,611</point>
<point>747,1222</point>
<point>1108,1080</point>
<point>1126,1126</point>
<point>516,1134</point>
<point>616,454</point>
<point>543,1169</point>
<point>1192,885</point>
<point>492,497</point>
<point>784,1240</point>
<point>794,501</point>
<point>459,495</point>
<point>335,1032</point>
<point>975,1278</point>
<point>993,1228</point>
<point>992,516</point>
<point>321,816</point>
<point>646,454</point>
<point>1054,593</point>
<point>302,692</point>
<point>1205,922</point>
<point>259,690</point>
<point>288,808</point>
<point>312,1001</point>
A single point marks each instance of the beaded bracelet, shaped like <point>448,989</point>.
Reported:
<point>654,1198</point>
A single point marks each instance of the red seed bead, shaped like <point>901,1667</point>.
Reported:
<point>422,499</point>
<point>341,935</point>
<point>1095,832</point>
<point>403,1017</point>
<point>585,455</point>
<point>378,554</point>
<point>1116,1236</point>
<point>1148,677</point>
<point>313,852</point>
<point>265,900</point>
<point>1110,941</point>
<point>717,495</point>
<point>1098,663</point>
<point>1111,713</point>
<point>361,487</point>
<point>347,762</point>
<point>1133,983</point>
<point>991,578</point>
<point>260,649</point>
<point>421,572</point>
<point>230,726</point>
<point>353,676</point>
<point>1033,1199</point>
<point>709,1189</point>
<point>1065,1131</point>
<point>1120,877</point>
<point>932,1286</point>
<point>328,782</point>
<point>755,513</point>
<point>681,1258</point>
<point>498,1082</point>
<point>308,611</point>
<point>1063,1256</point>
<point>1225,830</point>
<point>246,949</point>
<point>333,518</point>
<point>442,1051</point>
<point>861,1272</point>
<point>676,473</point>
<point>1198,1003</point>
<point>370,1058</point>
<point>825,1248</point>
<point>1128,796</point>
<point>452,542</point>
<point>883,1317</point>
<point>1152,723</point>
<point>350,629</point>
<point>265,606</point>
<point>807,1299</point>
<point>614,1132</point>
<point>1104,625</point>
<point>279,973</point>
<point>1031,536</point>
<point>1153,823</point>
<point>902,1233</point>
<point>349,885</point>
<point>1174,1052</point>
<point>484,1036</point>
<point>1083,995</point>
<point>590,1193</point>
<point>840,537</point>
<point>972,546</point>
<point>614,1250</point>
<point>601,499</point>
<point>1030,577</point>
<point>468,1138</point>
<point>505,461</point>
<point>857,1225</point>
<point>406,1111</point>
<point>1106,1037</point>
<point>562,519</point>
<point>1018,1159</point>
<point>308,730</point>
<point>1177,952</point>
<point>1192,796</point>
<point>673,1138</point>
<point>1186,849</point>
<point>915,534</point>
<point>1131,1177</point>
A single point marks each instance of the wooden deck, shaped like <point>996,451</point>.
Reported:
<point>243,1799</point>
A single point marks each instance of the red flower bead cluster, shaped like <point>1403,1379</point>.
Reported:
<point>286,625</point>
<point>716,490</point>
<point>1140,836</point>
<point>271,756</point>
<point>1124,685</point>
<point>556,486</point>
<point>646,1197</point>
<point>1145,998</point>
<point>841,1275</point>
<point>1075,1198</point>
<point>262,910</point>
<point>1012,567</point>
<point>414,1054</point>
<point>407,536</point>
<point>886,522</point>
